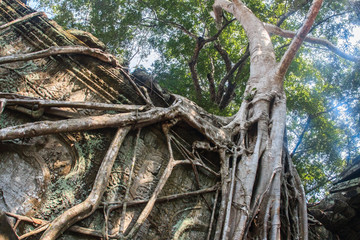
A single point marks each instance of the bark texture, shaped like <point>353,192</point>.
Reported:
<point>256,203</point>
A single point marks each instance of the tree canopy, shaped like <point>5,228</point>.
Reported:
<point>210,65</point>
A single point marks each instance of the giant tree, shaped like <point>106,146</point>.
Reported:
<point>261,192</point>
<point>210,65</point>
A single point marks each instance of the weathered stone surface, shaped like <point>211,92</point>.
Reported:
<point>89,39</point>
<point>43,176</point>
<point>6,232</point>
<point>339,212</point>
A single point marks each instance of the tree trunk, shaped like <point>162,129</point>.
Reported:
<point>263,185</point>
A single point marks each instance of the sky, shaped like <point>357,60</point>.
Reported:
<point>356,33</point>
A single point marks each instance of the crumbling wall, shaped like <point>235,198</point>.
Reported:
<point>339,212</point>
<point>42,176</point>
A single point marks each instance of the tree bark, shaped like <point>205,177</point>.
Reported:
<point>255,208</point>
<point>53,51</point>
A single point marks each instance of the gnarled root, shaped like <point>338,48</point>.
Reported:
<point>86,208</point>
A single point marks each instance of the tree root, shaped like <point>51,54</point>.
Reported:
<point>111,206</point>
<point>162,181</point>
<point>153,115</point>
<point>24,18</point>
<point>36,221</point>
<point>54,51</point>
<point>35,231</point>
<point>86,208</point>
<point>164,198</point>
<point>2,105</point>
<point>226,228</point>
<point>179,109</point>
<point>88,123</point>
<point>145,97</point>
<point>251,193</point>
<point>126,197</point>
<point>213,215</point>
<point>241,200</point>
<point>224,192</point>
<point>40,103</point>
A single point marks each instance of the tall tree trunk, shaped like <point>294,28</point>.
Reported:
<point>256,187</point>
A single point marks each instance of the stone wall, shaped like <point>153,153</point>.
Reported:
<point>40,177</point>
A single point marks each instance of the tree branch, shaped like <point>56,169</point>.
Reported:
<point>230,73</point>
<point>181,27</point>
<point>182,108</point>
<point>325,19</point>
<point>301,136</point>
<point>224,55</point>
<point>161,183</point>
<point>213,38</point>
<point>290,13</point>
<point>55,50</point>
<point>87,105</point>
<point>298,39</point>
<point>164,198</point>
<point>24,18</point>
<point>290,34</point>
<point>232,85</point>
<point>210,77</point>
<point>285,16</point>
<point>200,42</point>
<point>228,65</point>
<point>307,125</point>
<point>87,123</point>
<point>228,96</point>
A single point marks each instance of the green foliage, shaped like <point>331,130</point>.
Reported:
<point>324,93</point>
<point>319,85</point>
